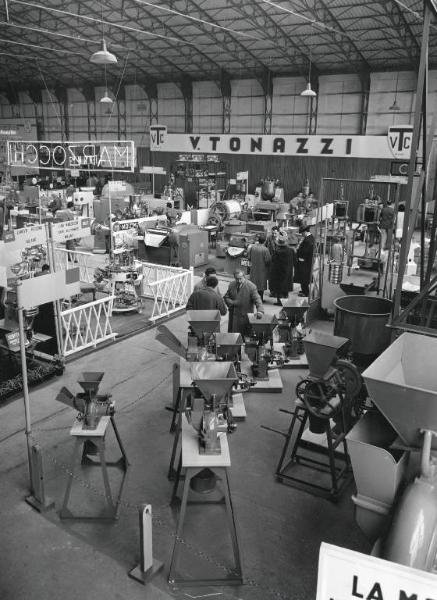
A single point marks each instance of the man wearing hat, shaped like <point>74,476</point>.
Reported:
<point>241,298</point>
<point>304,259</point>
<point>281,270</point>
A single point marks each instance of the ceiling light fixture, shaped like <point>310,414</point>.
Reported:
<point>106,98</point>
<point>308,91</point>
<point>103,56</point>
<point>395,106</point>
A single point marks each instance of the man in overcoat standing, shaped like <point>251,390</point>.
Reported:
<point>259,258</point>
<point>241,298</point>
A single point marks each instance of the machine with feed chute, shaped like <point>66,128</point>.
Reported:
<point>292,319</point>
<point>330,399</point>
<point>214,381</point>
<point>259,346</point>
<point>393,453</point>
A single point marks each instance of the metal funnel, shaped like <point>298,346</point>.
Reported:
<point>402,382</point>
<point>213,377</point>
<point>204,321</point>
<point>263,326</point>
<point>228,344</point>
<point>90,381</point>
<point>321,349</point>
<point>295,308</point>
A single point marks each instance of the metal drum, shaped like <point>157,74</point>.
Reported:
<point>335,272</point>
<point>363,320</point>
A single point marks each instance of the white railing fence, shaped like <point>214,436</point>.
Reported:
<point>168,287</point>
<point>86,325</point>
<point>79,259</point>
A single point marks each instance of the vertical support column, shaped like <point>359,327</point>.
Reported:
<point>267,85</point>
<point>89,95</point>
<point>313,106</point>
<point>36,97</point>
<point>187,91</point>
<point>148,565</point>
<point>14,100</point>
<point>365,92</point>
<point>62,98</point>
<point>121,113</point>
<point>225,88</point>
<point>151,89</point>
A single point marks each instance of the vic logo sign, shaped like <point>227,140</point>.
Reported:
<point>399,140</point>
<point>158,134</point>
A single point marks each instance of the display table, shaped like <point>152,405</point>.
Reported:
<point>192,462</point>
<point>96,437</point>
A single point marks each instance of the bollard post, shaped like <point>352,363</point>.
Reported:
<point>38,498</point>
<point>148,566</point>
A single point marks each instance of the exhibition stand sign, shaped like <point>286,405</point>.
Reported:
<point>16,240</point>
<point>105,155</point>
<point>71,230</point>
<point>347,575</point>
<point>48,288</point>
<point>396,144</point>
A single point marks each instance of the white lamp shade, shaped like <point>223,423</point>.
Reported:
<point>308,91</point>
<point>394,107</point>
<point>103,56</point>
<point>106,99</point>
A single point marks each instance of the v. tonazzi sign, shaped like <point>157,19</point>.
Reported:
<point>94,155</point>
<point>394,145</point>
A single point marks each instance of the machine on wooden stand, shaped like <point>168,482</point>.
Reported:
<point>228,347</point>
<point>259,346</point>
<point>90,404</point>
<point>329,399</point>
<point>393,450</point>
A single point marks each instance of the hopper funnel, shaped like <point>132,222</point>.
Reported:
<point>213,378</point>
<point>204,321</point>
<point>228,344</point>
<point>295,308</point>
<point>90,381</point>
<point>264,326</point>
<point>402,383</point>
<point>321,348</point>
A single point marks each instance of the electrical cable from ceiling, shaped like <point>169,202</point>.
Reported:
<point>117,92</point>
<point>53,103</point>
<point>198,20</point>
<point>94,20</point>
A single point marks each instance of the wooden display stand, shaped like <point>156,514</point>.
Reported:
<point>96,437</point>
<point>192,463</point>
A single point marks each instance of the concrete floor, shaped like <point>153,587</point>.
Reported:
<point>280,528</point>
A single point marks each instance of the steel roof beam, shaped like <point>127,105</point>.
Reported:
<point>404,31</point>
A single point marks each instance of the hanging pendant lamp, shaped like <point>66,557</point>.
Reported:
<point>106,98</point>
<point>395,106</point>
<point>308,91</point>
<point>103,56</point>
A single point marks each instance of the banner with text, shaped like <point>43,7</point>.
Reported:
<point>397,144</point>
<point>71,230</point>
<point>95,155</point>
<point>348,575</point>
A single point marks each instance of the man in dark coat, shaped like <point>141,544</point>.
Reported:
<point>206,298</point>
<point>259,258</point>
<point>241,298</point>
<point>281,270</point>
<point>304,260</point>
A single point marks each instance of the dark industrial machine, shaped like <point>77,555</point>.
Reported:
<point>393,452</point>
<point>330,401</point>
<point>259,346</point>
<point>182,245</point>
<point>214,380</point>
<point>89,403</point>
<point>293,313</point>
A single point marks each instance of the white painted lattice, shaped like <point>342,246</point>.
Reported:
<point>79,259</point>
<point>169,287</point>
<point>86,325</point>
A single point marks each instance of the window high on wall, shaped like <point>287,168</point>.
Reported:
<point>247,106</point>
<point>339,105</point>
<point>171,107</point>
<point>207,107</point>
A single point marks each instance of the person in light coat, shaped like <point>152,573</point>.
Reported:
<point>241,298</point>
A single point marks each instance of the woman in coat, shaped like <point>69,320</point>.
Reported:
<point>260,258</point>
<point>281,271</point>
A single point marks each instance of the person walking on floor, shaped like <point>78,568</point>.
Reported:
<point>281,271</point>
<point>260,259</point>
<point>304,260</point>
<point>207,298</point>
<point>241,297</point>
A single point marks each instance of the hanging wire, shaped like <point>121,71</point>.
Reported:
<point>53,103</point>
<point>118,91</point>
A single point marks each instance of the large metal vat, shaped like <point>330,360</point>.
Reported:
<point>363,320</point>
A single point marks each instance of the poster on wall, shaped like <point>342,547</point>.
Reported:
<point>107,155</point>
<point>396,144</point>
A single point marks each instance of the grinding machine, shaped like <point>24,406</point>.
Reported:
<point>259,346</point>
<point>292,320</point>
<point>393,452</point>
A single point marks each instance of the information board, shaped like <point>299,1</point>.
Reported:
<point>69,230</point>
<point>47,288</point>
<point>16,240</point>
<point>347,575</point>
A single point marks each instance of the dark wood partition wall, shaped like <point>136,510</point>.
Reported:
<point>290,170</point>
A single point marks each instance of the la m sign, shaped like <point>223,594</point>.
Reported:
<point>94,155</point>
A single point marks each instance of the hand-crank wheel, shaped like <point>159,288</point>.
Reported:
<point>350,378</point>
<point>317,400</point>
